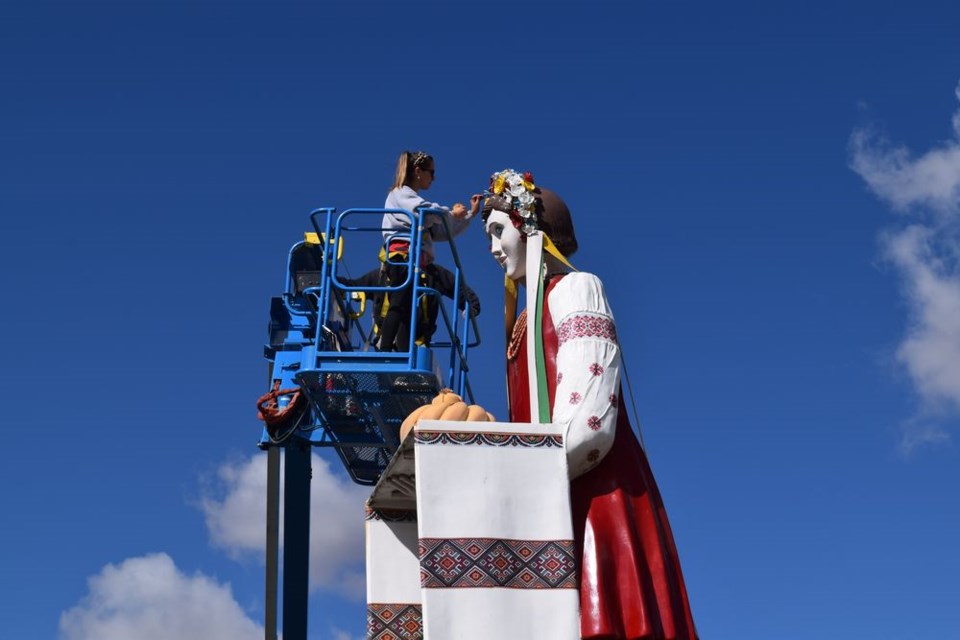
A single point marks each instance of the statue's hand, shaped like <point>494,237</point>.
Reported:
<point>446,406</point>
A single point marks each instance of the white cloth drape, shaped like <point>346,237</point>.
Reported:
<point>496,539</point>
<point>393,582</point>
<point>494,553</point>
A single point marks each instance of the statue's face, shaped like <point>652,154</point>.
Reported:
<point>506,244</point>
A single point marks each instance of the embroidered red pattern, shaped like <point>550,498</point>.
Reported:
<point>388,621</point>
<point>586,326</point>
<point>596,369</point>
<point>594,455</point>
<point>459,563</point>
<point>422,437</point>
<point>575,398</point>
<point>390,515</point>
<point>560,377</point>
<point>613,398</point>
<point>593,422</point>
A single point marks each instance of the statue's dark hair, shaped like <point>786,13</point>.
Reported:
<point>553,217</point>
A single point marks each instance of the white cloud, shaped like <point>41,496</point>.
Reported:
<point>930,350</point>
<point>930,181</point>
<point>148,598</point>
<point>927,257</point>
<point>917,433</point>
<point>234,507</point>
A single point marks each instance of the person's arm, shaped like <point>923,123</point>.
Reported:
<point>460,211</point>
<point>398,223</point>
<point>438,230</point>
<point>407,198</point>
<point>588,370</point>
<point>471,296</point>
<point>459,219</point>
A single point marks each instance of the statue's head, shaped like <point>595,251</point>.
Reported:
<point>515,208</point>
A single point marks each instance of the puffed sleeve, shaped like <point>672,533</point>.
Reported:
<point>588,370</point>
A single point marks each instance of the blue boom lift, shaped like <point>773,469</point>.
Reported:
<point>329,386</point>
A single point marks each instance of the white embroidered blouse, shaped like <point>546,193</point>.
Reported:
<point>588,370</point>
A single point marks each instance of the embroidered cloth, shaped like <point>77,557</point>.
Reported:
<point>496,539</point>
<point>492,555</point>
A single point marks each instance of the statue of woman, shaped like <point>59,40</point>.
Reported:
<point>631,584</point>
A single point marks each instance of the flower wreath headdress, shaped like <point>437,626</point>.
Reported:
<point>517,190</point>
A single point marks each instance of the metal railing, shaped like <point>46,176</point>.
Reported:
<point>335,305</point>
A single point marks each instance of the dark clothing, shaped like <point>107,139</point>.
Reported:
<point>445,281</point>
<point>395,328</point>
<point>394,325</point>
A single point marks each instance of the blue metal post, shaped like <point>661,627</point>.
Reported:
<point>414,257</point>
<point>296,539</point>
<point>324,309</point>
<point>273,543</point>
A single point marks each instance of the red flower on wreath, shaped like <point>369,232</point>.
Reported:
<point>516,219</point>
<point>528,177</point>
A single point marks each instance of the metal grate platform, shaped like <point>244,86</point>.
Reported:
<point>361,413</point>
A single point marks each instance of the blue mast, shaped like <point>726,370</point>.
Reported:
<point>331,388</point>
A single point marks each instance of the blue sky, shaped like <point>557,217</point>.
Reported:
<point>770,191</point>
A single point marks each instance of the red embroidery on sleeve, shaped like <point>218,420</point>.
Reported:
<point>593,455</point>
<point>586,326</point>
<point>575,397</point>
<point>596,369</point>
<point>593,422</point>
<point>613,399</point>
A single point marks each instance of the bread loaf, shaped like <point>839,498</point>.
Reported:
<point>456,412</point>
<point>476,413</point>
<point>411,420</point>
<point>446,397</point>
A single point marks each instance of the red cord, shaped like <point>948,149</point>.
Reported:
<point>268,408</point>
